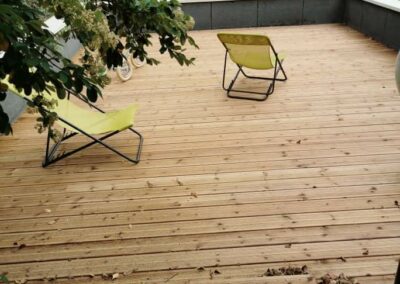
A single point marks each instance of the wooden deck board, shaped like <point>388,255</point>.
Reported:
<point>309,177</point>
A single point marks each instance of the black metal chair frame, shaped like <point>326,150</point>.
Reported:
<point>262,96</point>
<point>51,151</point>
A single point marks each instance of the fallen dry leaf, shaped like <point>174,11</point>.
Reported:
<point>334,279</point>
<point>211,273</point>
<point>290,270</point>
<point>107,276</point>
<point>21,246</point>
<point>115,276</point>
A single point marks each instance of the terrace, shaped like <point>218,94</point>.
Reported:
<point>226,188</point>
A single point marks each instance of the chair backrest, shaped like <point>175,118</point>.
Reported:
<point>252,51</point>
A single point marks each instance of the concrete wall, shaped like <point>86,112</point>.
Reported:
<point>254,13</point>
<point>13,106</point>
<point>70,48</point>
<point>377,22</point>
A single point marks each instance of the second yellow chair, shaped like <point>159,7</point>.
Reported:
<point>253,52</point>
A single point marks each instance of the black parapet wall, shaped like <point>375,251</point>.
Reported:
<point>377,22</point>
<point>259,13</point>
<point>234,14</point>
<point>201,12</point>
<point>280,12</point>
<point>323,11</point>
<point>380,23</point>
<point>392,30</point>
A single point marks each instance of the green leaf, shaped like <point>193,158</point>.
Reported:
<point>45,65</point>
<point>5,128</point>
<point>4,279</point>
<point>28,90</point>
<point>3,96</point>
<point>63,76</point>
<point>91,94</point>
<point>61,92</point>
<point>32,61</point>
<point>78,85</point>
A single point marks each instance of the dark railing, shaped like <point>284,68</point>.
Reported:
<point>378,22</point>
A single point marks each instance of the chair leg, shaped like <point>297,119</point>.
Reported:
<point>262,96</point>
<point>279,68</point>
<point>50,152</point>
<point>140,146</point>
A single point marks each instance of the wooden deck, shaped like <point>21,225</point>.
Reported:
<point>226,188</point>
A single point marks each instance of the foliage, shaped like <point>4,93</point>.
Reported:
<point>134,19</point>
<point>89,26</point>
<point>33,63</point>
<point>4,279</point>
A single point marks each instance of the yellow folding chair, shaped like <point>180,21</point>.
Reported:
<point>75,119</point>
<point>253,52</point>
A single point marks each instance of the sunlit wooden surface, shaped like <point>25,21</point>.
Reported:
<point>226,188</point>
